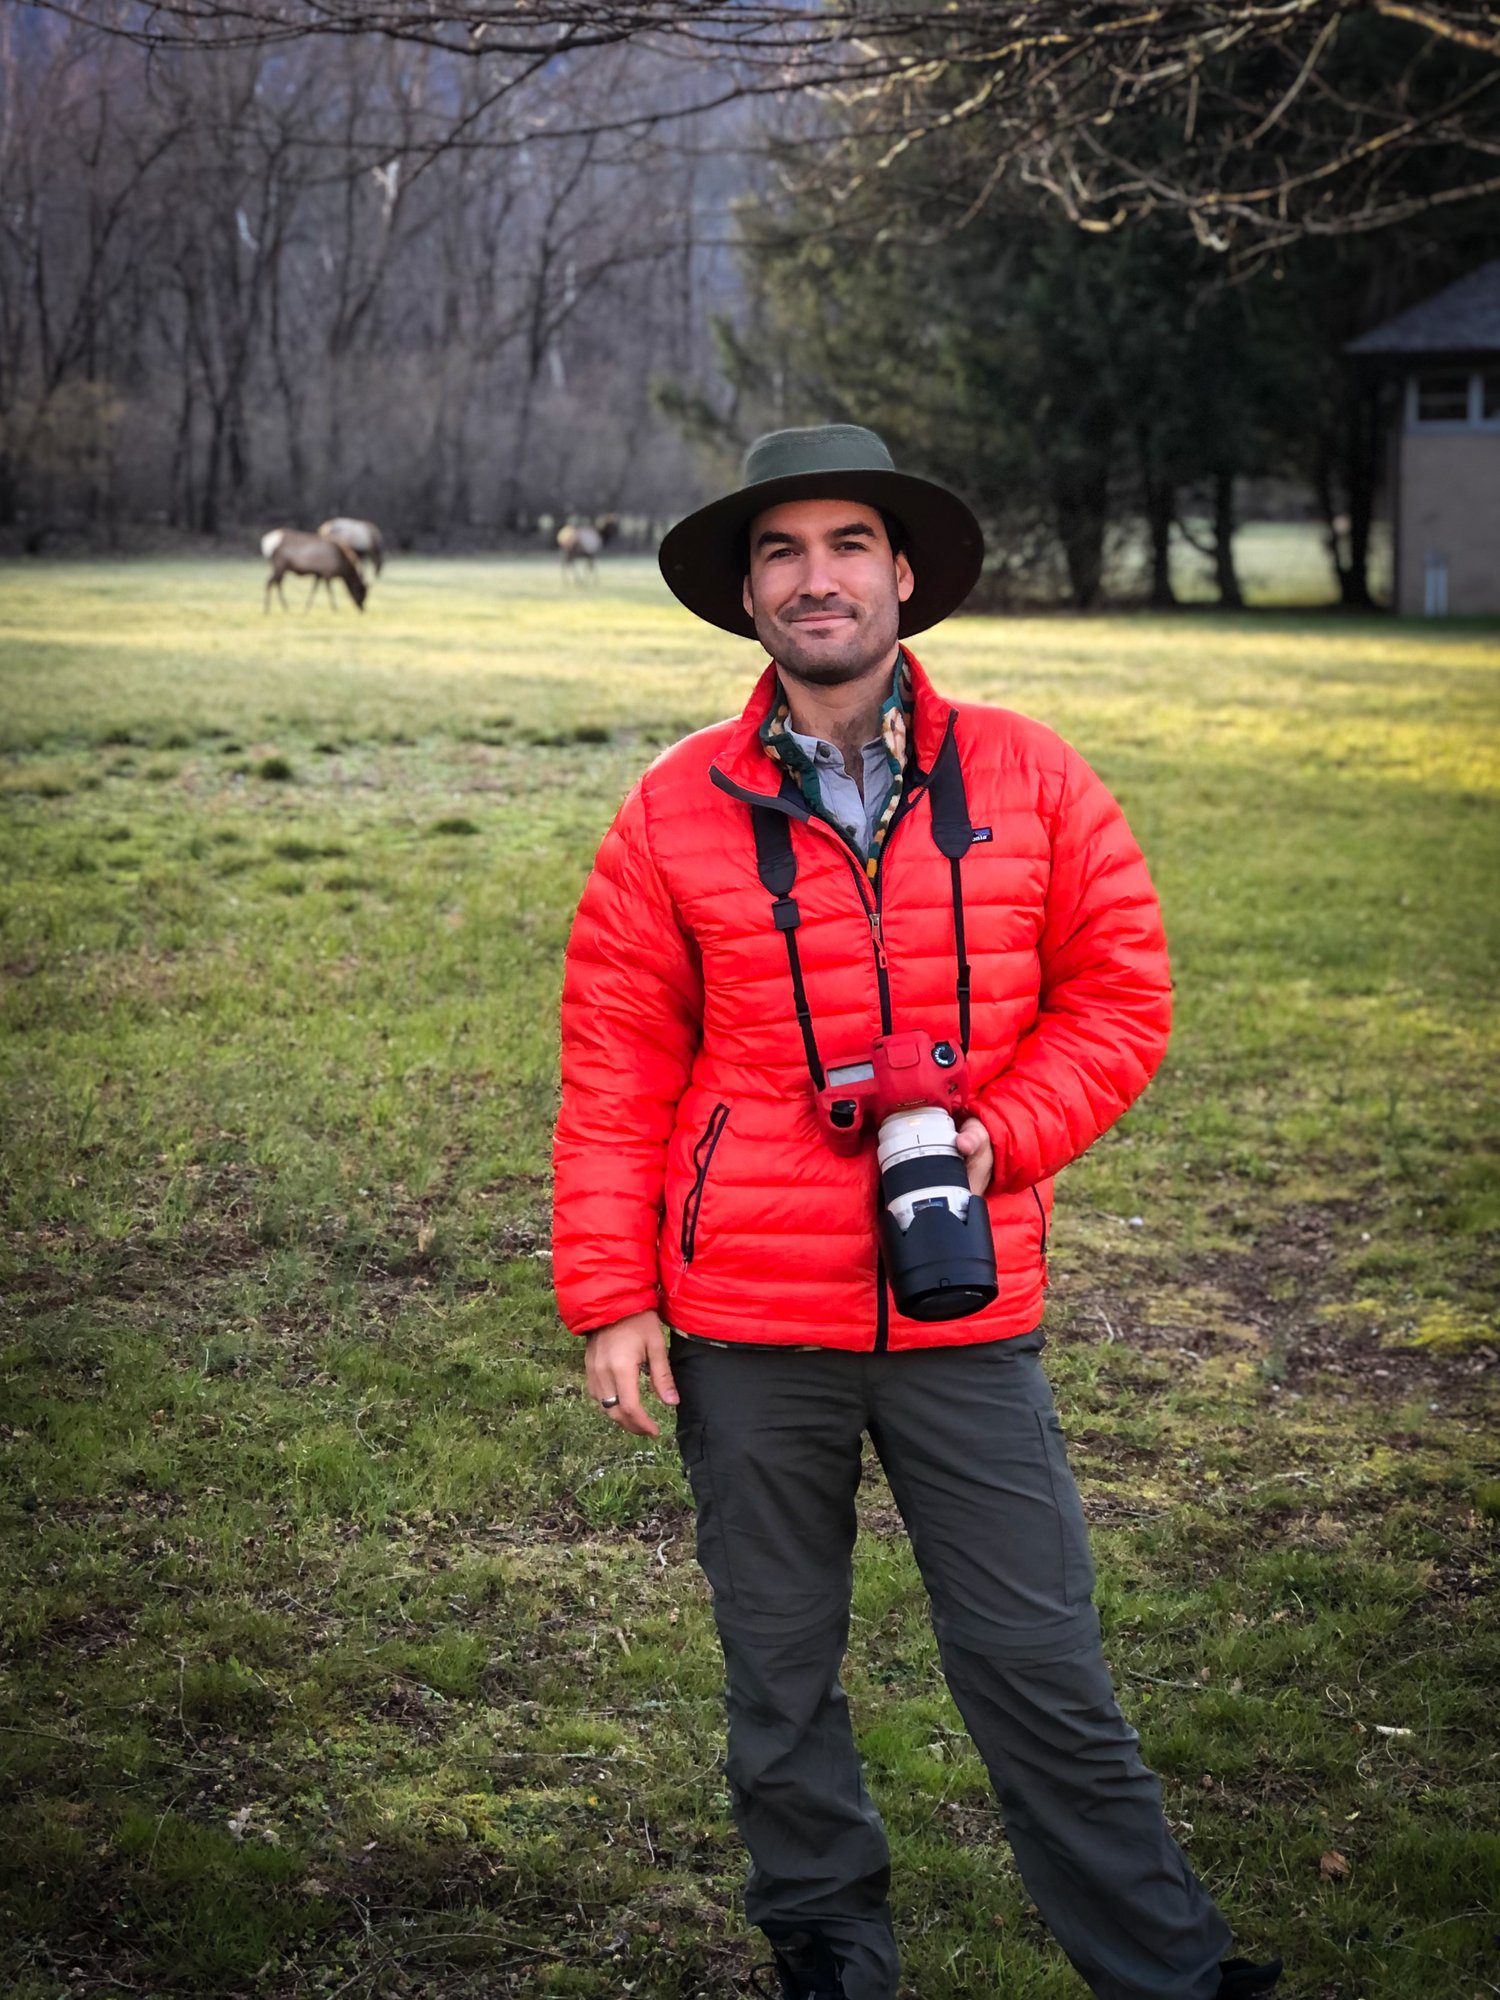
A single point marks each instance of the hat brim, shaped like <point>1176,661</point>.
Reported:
<point>701,559</point>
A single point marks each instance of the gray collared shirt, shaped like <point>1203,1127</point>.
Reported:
<point>855,817</point>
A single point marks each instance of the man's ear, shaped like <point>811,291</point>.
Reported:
<point>906,583</point>
<point>748,601</point>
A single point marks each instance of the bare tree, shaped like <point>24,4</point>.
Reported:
<point>1115,111</point>
<point>242,281</point>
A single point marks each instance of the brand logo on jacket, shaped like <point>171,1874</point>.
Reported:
<point>979,835</point>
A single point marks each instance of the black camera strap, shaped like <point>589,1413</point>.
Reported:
<point>777,865</point>
<point>953,835</point>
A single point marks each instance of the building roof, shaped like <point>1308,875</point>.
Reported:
<point>1464,318</point>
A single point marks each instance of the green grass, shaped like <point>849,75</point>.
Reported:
<point>347,1652</point>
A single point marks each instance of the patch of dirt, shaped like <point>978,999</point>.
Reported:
<point>40,1288</point>
<point>1360,1360</point>
<point>1105,1448</point>
<point>410,1707</point>
<point>114,1512</point>
<point>1461,1576</point>
<point>89,1633</point>
<point>882,1520</point>
<point>668,1527</point>
<point>1268,1296</point>
<point>1109,1510</point>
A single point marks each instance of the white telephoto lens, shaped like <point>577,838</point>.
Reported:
<point>908,1135</point>
<point>924,1134</point>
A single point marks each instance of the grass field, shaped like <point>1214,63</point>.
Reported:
<point>348,1653</point>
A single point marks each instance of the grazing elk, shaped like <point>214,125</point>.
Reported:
<point>317,556</point>
<point>362,537</point>
<point>586,541</point>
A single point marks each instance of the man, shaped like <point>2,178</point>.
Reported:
<point>856,856</point>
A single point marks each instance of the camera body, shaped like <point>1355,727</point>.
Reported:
<point>935,1234</point>
<point>901,1073</point>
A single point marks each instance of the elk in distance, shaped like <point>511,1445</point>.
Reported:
<point>586,541</point>
<point>317,556</point>
<point>363,538</point>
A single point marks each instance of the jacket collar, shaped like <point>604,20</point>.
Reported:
<point>746,765</point>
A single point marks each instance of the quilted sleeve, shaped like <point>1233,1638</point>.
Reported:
<point>631,1012</point>
<point>1105,1009</point>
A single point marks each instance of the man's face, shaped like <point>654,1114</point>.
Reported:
<point>824,589</point>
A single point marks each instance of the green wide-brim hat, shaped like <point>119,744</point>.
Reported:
<point>704,557</point>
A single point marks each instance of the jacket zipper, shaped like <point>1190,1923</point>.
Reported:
<point>703,1153</point>
<point>872,909</point>
<point>877,941</point>
<point>1042,1215</point>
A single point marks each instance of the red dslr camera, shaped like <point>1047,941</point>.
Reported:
<point>902,1072</point>
<point>934,1235</point>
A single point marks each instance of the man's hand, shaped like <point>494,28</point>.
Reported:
<point>975,1148</point>
<point>616,1356</point>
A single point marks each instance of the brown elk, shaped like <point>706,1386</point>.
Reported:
<point>586,541</point>
<point>362,537</point>
<point>317,556</point>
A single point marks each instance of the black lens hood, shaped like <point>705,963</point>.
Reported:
<point>943,1266</point>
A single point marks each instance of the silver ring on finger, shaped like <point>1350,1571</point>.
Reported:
<point>609,1402</point>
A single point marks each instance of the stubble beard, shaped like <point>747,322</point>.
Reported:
<point>824,664</point>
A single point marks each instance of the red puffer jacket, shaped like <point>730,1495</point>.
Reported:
<point>691,1173</point>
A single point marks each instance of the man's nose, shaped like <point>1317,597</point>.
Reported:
<point>818,579</point>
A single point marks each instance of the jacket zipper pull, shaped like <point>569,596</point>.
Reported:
<point>879,940</point>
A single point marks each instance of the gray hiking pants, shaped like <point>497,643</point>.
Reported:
<point>970,1441</point>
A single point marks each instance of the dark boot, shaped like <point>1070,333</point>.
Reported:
<point>805,1968</point>
<point>1242,1980</point>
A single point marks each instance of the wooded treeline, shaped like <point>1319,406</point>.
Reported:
<point>223,302</point>
<point>467,266</point>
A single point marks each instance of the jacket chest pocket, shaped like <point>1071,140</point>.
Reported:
<point>703,1153</point>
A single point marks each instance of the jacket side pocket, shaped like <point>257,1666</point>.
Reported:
<point>1041,1216</point>
<point>703,1154</point>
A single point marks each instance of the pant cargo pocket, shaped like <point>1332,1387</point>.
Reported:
<point>713,1554</point>
<point>1072,1524</point>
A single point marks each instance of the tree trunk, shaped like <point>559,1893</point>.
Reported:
<point>238,455</point>
<point>208,514</point>
<point>332,496</point>
<point>1322,482</point>
<point>1361,469</point>
<point>1346,534</point>
<point>296,452</point>
<point>1080,494</point>
<point>510,501</point>
<point>1230,595</point>
<point>1161,509</point>
<point>180,480</point>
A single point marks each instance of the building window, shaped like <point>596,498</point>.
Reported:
<point>1443,396</point>
<point>1453,398</point>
